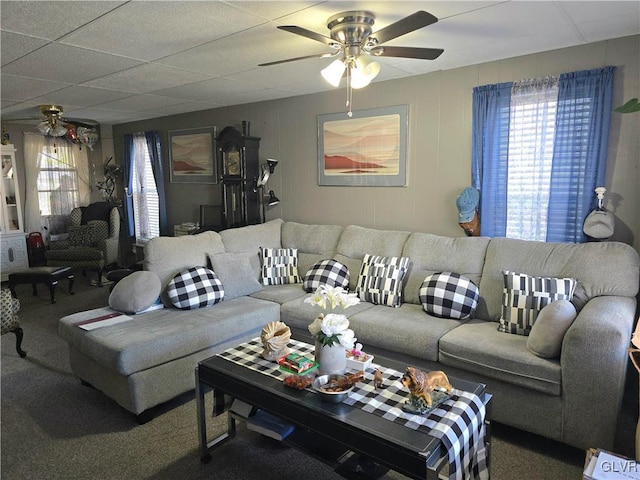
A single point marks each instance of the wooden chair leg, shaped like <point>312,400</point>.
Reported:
<point>19,334</point>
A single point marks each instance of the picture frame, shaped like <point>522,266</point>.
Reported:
<point>367,149</point>
<point>192,155</point>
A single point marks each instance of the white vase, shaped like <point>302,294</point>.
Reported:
<point>332,359</point>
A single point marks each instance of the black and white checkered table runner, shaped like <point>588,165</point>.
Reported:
<point>458,422</point>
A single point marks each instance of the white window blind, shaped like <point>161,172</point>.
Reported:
<point>57,182</point>
<point>145,194</point>
<point>531,142</point>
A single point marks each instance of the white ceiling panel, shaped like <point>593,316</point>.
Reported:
<point>14,46</point>
<point>118,62</point>
<point>67,64</point>
<point>146,78</point>
<point>22,88</point>
<point>51,19</point>
<point>162,28</point>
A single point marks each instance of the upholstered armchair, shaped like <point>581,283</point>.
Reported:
<point>9,319</point>
<point>92,242</point>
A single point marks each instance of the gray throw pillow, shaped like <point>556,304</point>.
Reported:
<point>135,292</point>
<point>235,272</point>
<point>547,333</point>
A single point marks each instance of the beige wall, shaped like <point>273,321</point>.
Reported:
<point>439,144</point>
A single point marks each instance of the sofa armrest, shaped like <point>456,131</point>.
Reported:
<point>109,247</point>
<point>594,361</point>
<point>59,244</point>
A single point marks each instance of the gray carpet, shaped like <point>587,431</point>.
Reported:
<point>54,428</point>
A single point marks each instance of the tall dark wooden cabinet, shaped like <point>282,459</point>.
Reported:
<point>239,170</point>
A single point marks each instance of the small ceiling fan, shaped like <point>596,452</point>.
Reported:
<point>52,123</point>
<point>351,38</point>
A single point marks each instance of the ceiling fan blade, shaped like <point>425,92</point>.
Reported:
<point>318,55</point>
<point>408,52</point>
<point>308,34</point>
<point>408,24</point>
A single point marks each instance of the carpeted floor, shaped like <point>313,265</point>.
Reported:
<point>54,428</point>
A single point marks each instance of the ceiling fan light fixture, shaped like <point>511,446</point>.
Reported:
<point>363,73</point>
<point>333,73</point>
<point>57,130</point>
<point>44,127</point>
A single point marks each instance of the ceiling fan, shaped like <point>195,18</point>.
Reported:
<point>52,123</point>
<point>352,39</point>
<point>351,35</point>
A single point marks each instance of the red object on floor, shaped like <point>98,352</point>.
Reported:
<point>36,249</point>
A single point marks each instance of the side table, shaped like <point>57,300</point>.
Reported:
<point>47,275</point>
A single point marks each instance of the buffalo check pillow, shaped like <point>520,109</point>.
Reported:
<point>279,266</point>
<point>524,296</point>
<point>195,288</point>
<point>380,280</point>
<point>326,272</point>
<point>449,295</point>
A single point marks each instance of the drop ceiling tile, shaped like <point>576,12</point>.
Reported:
<point>580,12</point>
<point>107,117</point>
<point>149,30</point>
<point>601,29</point>
<point>141,103</point>
<point>63,63</point>
<point>81,96</point>
<point>230,55</point>
<point>14,46</point>
<point>146,78</point>
<point>50,19</point>
<point>21,88</point>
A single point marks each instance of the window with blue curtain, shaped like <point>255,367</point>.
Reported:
<point>539,149</point>
<point>145,210</point>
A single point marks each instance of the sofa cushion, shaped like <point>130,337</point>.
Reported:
<point>195,288</point>
<point>449,295</point>
<point>314,242</point>
<point>135,292</point>
<point>380,280</point>
<point>355,241</point>
<point>168,256</point>
<point>545,339</point>
<point>280,293</point>
<point>524,296</point>
<point>407,330</point>
<point>431,254</point>
<point>477,346</point>
<point>236,274</point>
<point>601,268</point>
<point>326,272</point>
<point>279,266</point>
<point>296,313</point>
<point>156,338</point>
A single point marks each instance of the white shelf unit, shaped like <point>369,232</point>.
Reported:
<point>13,254</point>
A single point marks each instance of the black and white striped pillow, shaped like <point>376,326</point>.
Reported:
<point>380,280</point>
<point>524,296</point>
<point>326,272</point>
<point>449,295</point>
<point>195,288</point>
<point>279,266</point>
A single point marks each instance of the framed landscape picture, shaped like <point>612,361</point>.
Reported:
<point>192,155</point>
<point>367,149</point>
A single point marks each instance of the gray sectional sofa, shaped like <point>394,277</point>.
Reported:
<point>574,398</point>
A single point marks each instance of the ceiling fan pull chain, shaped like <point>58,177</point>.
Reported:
<point>349,91</point>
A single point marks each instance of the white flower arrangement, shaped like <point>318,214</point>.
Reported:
<point>329,327</point>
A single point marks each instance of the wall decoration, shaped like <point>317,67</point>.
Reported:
<point>368,149</point>
<point>191,155</point>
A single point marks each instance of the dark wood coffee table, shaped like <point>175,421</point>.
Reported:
<point>339,430</point>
